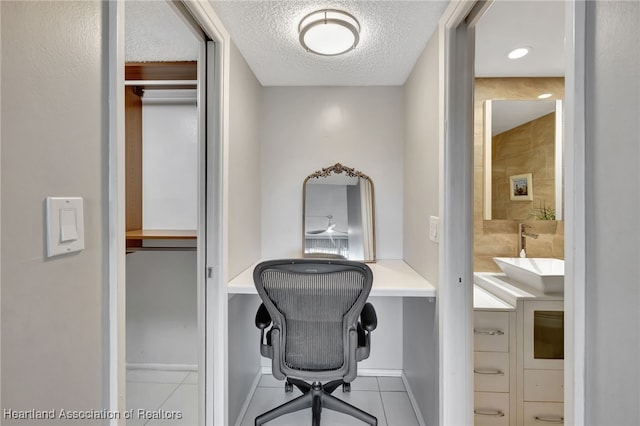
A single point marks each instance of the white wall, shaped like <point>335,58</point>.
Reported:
<point>613,211</point>
<point>54,143</point>
<point>169,159</point>
<point>244,232</point>
<point>421,200</point>
<point>244,172</point>
<point>162,306</point>
<point>421,163</point>
<point>307,128</point>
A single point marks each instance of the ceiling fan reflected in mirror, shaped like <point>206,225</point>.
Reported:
<point>330,229</point>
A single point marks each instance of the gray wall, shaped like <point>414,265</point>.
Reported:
<point>162,305</point>
<point>613,200</point>
<point>243,185</point>
<point>244,191</point>
<point>53,143</point>
<point>421,163</point>
<point>421,200</point>
<point>307,128</point>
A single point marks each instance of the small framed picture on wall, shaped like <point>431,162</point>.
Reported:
<point>521,187</point>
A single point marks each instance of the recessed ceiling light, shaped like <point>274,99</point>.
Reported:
<point>518,53</point>
<point>329,32</point>
<point>545,96</point>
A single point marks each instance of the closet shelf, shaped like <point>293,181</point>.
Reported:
<point>161,234</point>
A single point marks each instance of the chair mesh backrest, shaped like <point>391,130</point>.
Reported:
<point>314,306</point>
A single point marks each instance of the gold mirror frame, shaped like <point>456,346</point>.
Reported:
<point>367,217</point>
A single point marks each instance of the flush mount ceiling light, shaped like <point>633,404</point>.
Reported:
<point>518,53</point>
<point>545,96</point>
<point>329,32</point>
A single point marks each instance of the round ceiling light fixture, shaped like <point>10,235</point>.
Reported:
<point>518,53</point>
<point>329,32</point>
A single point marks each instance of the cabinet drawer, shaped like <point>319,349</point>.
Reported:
<point>544,385</point>
<point>491,371</point>
<point>543,413</point>
<point>490,331</point>
<point>491,409</point>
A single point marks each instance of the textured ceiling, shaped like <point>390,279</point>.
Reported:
<point>154,32</point>
<point>393,35</point>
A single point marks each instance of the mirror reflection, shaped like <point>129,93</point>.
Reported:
<point>338,219</point>
<point>523,159</point>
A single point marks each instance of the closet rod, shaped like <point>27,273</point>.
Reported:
<point>161,83</point>
<point>135,249</point>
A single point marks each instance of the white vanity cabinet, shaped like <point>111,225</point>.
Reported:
<point>543,361</point>
<point>518,354</point>
<point>494,345</point>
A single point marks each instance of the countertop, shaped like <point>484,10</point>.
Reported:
<point>391,277</point>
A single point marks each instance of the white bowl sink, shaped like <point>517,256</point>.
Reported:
<point>546,275</point>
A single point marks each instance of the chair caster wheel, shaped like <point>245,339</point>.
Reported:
<point>288,387</point>
<point>346,387</point>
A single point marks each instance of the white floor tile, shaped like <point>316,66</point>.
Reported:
<point>155,376</point>
<point>391,384</point>
<point>368,401</point>
<point>181,409</point>
<point>192,378</point>
<point>268,381</point>
<point>364,383</point>
<point>398,409</point>
<point>146,396</point>
<point>383,397</point>
<point>265,398</point>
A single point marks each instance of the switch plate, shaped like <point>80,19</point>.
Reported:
<point>65,225</point>
<point>433,228</point>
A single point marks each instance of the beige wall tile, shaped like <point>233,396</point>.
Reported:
<point>496,238</point>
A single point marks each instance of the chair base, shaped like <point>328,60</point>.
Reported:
<point>317,396</point>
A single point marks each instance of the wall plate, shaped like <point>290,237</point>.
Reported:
<point>65,225</point>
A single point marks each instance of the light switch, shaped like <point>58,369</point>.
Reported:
<point>433,228</point>
<point>68,225</point>
<point>65,225</point>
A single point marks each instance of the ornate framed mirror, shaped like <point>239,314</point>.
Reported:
<point>338,214</point>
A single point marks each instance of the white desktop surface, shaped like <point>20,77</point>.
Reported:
<point>391,277</point>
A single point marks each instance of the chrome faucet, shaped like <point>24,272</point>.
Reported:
<point>522,238</point>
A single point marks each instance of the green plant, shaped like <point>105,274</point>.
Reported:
<point>543,212</point>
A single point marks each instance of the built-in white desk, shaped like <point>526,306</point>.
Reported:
<point>391,277</point>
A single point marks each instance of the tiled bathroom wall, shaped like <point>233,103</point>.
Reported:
<point>499,238</point>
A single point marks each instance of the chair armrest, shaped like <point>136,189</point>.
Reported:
<point>263,319</point>
<point>368,317</point>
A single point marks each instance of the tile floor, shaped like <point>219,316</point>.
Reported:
<point>157,391</point>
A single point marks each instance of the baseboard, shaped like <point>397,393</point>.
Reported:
<point>379,372</point>
<point>163,367</point>
<point>412,399</point>
<point>247,401</point>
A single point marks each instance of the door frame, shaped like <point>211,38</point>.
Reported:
<point>212,375</point>
<point>455,286</point>
<point>215,361</point>
<point>456,210</point>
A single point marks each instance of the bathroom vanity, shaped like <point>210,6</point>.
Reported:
<point>518,353</point>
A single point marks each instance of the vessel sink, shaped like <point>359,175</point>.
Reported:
<point>544,274</point>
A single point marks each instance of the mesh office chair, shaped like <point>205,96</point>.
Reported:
<point>310,329</point>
